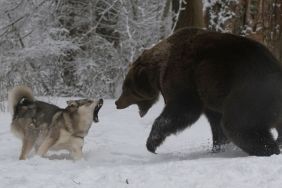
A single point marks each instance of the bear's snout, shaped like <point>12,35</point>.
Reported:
<point>121,104</point>
<point>118,105</point>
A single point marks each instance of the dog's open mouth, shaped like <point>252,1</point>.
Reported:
<point>96,110</point>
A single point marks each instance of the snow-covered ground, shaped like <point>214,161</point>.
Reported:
<point>115,156</point>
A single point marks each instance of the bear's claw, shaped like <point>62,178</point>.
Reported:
<point>151,148</point>
<point>153,142</point>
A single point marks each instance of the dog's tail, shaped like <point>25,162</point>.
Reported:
<point>16,95</point>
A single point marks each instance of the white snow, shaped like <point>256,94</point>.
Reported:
<point>115,156</point>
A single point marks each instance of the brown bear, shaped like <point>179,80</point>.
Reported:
<point>235,81</point>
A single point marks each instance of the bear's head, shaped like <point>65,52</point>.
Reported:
<point>140,86</point>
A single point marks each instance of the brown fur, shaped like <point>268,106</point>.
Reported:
<point>146,76</point>
<point>234,81</point>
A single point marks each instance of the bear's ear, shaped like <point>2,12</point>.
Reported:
<point>146,50</point>
<point>130,65</point>
<point>145,72</point>
<point>142,76</point>
<point>142,71</point>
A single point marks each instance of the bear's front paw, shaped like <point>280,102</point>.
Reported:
<point>153,142</point>
<point>151,147</point>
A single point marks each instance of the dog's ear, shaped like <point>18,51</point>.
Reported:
<point>70,102</point>
<point>72,106</point>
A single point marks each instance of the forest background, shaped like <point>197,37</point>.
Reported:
<point>83,47</point>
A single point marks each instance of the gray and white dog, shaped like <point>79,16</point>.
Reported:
<point>44,126</point>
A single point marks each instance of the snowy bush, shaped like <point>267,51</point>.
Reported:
<point>220,14</point>
<point>75,48</point>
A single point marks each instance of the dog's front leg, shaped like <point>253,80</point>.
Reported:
<point>43,148</point>
<point>26,147</point>
<point>76,148</point>
<point>77,154</point>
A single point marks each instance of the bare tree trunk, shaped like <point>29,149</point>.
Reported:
<point>16,31</point>
<point>260,20</point>
<point>263,23</point>
<point>191,13</point>
<point>107,18</point>
<point>165,14</point>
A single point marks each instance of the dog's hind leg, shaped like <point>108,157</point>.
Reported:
<point>26,147</point>
<point>43,148</point>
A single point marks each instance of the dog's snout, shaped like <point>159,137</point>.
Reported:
<point>100,102</point>
<point>96,110</point>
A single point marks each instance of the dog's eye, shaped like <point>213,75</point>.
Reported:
<point>72,105</point>
<point>89,101</point>
<point>22,101</point>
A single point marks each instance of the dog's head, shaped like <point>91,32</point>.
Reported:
<point>87,108</point>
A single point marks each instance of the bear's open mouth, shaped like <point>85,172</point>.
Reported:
<point>96,110</point>
<point>142,110</point>
<point>142,113</point>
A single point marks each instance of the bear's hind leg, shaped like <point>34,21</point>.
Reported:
<point>174,118</point>
<point>248,127</point>
<point>249,113</point>
<point>218,136</point>
<point>279,138</point>
<point>253,141</point>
